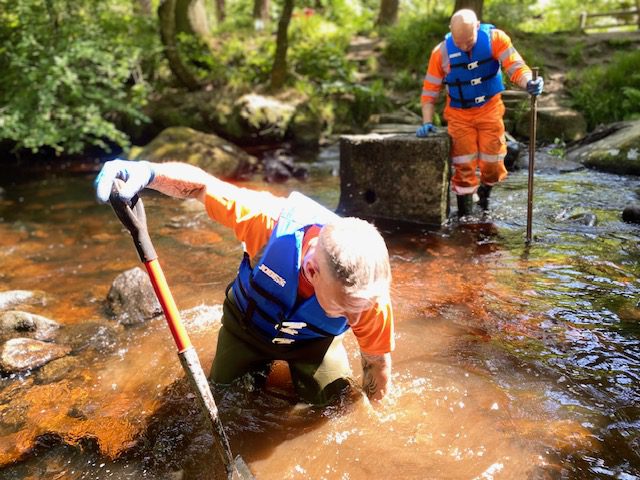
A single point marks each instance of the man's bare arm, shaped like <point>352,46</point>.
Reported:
<point>376,375</point>
<point>182,180</point>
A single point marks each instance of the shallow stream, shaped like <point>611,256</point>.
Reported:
<point>511,362</point>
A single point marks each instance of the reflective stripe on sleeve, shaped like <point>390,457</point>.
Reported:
<point>506,54</point>
<point>515,66</point>
<point>432,79</point>
<point>445,57</point>
<point>430,93</point>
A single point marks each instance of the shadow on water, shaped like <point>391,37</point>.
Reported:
<point>511,361</point>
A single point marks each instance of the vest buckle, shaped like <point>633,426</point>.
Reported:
<point>476,81</point>
<point>282,341</point>
<point>480,99</point>
<point>472,65</point>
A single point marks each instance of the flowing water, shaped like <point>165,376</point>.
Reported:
<point>511,362</point>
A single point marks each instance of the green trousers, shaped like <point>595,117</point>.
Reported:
<point>319,368</point>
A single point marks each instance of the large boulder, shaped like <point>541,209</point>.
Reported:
<point>254,119</point>
<point>614,148</point>
<point>207,151</point>
<point>131,298</point>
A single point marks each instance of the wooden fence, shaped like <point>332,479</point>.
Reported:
<point>622,18</point>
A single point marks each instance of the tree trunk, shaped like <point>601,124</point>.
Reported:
<point>166,15</point>
<point>260,13</point>
<point>475,5</point>
<point>191,18</point>
<point>279,69</point>
<point>221,13</point>
<point>388,12</point>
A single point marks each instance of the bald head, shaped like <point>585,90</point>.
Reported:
<point>464,29</point>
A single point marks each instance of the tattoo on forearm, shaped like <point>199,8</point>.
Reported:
<point>177,188</point>
<point>375,373</point>
<point>369,384</point>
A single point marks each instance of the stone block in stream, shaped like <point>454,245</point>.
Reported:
<point>396,178</point>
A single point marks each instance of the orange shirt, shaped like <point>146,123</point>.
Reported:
<point>252,215</point>
<point>502,50</point>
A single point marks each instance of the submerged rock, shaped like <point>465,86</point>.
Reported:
<point>279,167</point>
<point>577,218</point>
<point>59,369</point>
<point>13,298</point>
<point>14,322</point>
<point>131,298</point>
<point>23,354</point>
<point>90,335</point>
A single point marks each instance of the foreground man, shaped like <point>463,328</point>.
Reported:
<point>468,62</point>
<point>307,276</point>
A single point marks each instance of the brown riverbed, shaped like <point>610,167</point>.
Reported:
<point>510,362</point>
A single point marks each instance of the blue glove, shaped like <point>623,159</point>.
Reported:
<point>425,130</point>
<point>534,87</point>
<point>136,175</point>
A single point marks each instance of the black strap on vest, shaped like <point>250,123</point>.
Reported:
<point>466,65</point>
<point>252,306</point>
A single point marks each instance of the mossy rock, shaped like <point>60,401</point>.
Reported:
<point>618,152</point>
<point>204,150</point>
<point>306,127</point>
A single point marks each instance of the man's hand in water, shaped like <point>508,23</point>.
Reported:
<point>376,375</point>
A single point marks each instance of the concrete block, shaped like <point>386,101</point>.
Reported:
<point>396,178</point>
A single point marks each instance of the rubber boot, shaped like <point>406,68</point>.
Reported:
<point>465,205</point>
<point>484,191</point>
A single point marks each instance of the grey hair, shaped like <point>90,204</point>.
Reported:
<point>358,258</point>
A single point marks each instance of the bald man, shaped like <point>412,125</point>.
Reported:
<point>469,61</point>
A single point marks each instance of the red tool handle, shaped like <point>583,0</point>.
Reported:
<point>169,307</point>
<point>133,217</point>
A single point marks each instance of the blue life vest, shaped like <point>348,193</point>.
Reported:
<point>473,80</point>
<point>267,294</point>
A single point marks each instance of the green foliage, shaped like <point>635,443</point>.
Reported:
<point>405,80</point>
<point>563,15</point>
<point>608,93</point>
<point>410,42</point>
<point>356,102</point>
<point>507,14</point>
<point>69,70</point>
<point>576,54</point>
<point>318,50</point>
<point>242,59</point>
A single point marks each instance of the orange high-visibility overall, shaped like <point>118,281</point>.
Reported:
<point>477,133</point>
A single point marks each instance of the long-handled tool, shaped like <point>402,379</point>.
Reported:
<point>532,156</point>
<point>134,219</point>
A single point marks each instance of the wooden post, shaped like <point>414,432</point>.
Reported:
<point>583,20</point>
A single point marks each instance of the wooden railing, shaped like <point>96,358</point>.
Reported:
<point>623,18</point>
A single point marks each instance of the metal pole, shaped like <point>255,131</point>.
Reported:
<point>532,156</point>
